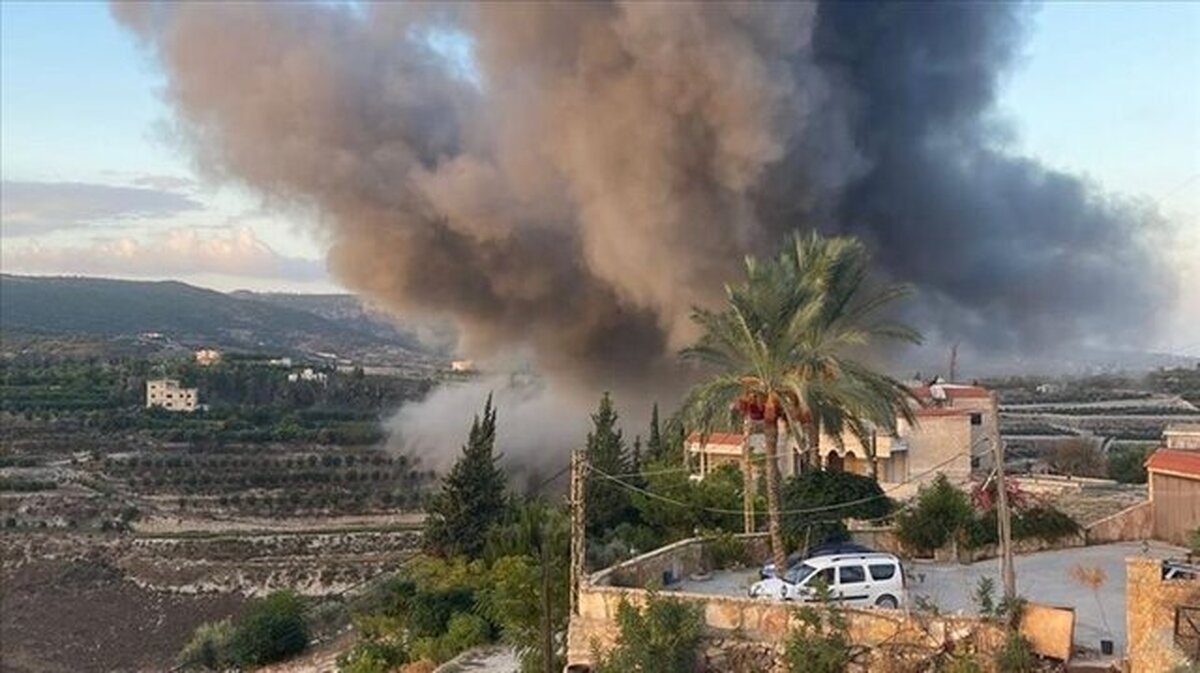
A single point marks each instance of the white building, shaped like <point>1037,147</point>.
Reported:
<point>307,374</point>
<point>463,366</point>
<point>280,362</point>
<point>206,357</point>
<point>168,394</point>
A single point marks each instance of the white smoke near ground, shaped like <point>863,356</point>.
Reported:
<point>537,423</point>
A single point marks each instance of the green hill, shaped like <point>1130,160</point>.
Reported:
<point>192,316</point>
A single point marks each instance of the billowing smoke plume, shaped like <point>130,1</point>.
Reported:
<point>581,174</point>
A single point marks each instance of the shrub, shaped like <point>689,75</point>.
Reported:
<point>724,549</point>
<point>1127,464</point>
<point>209,647</point>
<point>660,638</point>
<point>941,511</point>
<point>1045,522</point>
<point>270,629</point>
<point>463,631</point>
<point>820,643</point>
<point>1016,656</point>
<point>1079,457</point>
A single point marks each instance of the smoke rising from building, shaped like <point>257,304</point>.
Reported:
<point>590,171</point>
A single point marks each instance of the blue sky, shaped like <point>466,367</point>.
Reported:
<point>1106,89</point>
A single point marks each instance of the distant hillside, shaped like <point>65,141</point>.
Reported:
<point>439,338</point>
<point>192,316</point>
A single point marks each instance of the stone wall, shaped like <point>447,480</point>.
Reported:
<point>1150,603</point>
<point>674,562</point>
<point>1131,523</point>
<point>743,628</point>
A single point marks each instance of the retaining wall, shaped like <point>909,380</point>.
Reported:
<point>1130,524</point>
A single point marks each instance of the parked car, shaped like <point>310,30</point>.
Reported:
<point>796,558</point>
<point>856,579</point>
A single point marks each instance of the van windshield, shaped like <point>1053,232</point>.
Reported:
<point>799,573</point>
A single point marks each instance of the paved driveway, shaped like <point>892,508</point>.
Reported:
<point>1046,578</point>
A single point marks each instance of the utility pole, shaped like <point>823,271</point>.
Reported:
<point>1004,524</point>
<point>578,524</point>
<point>547,630</point>
<point>953,363</point>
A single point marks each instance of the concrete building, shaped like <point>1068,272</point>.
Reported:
<point>954,430</point>
<point>1174,478</point>
<point>1183,436</point>
<point>168,394</point>
<point>462,366</point>
<point>206,357</point>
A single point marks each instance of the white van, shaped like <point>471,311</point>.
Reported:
<point>859,580</point>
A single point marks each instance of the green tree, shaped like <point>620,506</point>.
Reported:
<point>472,497</point>
<point>607,501</point>
<point>835,496</point>
<point>941,512</point>
<point>526,595</point>
<point>656,448</point>
<point>781,347</point>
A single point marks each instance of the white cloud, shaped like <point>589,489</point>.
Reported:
<point>30,208</point>
<point>174,253</point>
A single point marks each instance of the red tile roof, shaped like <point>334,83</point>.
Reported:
<point>1175,461</point>
<point>941,411</point>
<point>725,438</point>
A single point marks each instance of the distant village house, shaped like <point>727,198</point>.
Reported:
<point>955,428</point>
<point>308,374</point>
<point>463,366</point>
<point>207,357</point>
<point>169,395</point>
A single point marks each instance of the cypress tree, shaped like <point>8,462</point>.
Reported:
<point>472,498</point>
<point>607,502</point>
<point>655,449</point>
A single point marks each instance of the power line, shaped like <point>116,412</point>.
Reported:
<point>808,510</point>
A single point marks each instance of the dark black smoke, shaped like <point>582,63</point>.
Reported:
<point>614,163</point>
<point>1008,254</point>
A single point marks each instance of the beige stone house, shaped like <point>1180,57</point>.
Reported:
<point>954,430</point>
<point>168,394</point>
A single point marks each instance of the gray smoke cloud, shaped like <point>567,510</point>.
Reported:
<point>593,170</point>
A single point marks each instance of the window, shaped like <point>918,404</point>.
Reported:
<point>825,576</point>
<point>851,575</point>
<point>882,571</point>
<point>976,419</point>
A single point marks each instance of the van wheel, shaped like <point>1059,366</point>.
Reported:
<point>888,602</point>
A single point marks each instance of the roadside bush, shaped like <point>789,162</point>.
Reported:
<point>663,637</point>
<point>940,513</point>
<point>1042,522</point>
<point>270,629</point>
<point>1045,522</point>
<point>820,642</point>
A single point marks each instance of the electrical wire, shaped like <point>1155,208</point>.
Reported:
<point>807,510</point>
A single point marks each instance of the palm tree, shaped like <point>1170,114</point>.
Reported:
<point>780,348</point>
<point>840,394</point>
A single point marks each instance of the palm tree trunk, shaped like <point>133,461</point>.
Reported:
<point>872,459</point>
<point>747,478</point>
<point>774,528</point>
